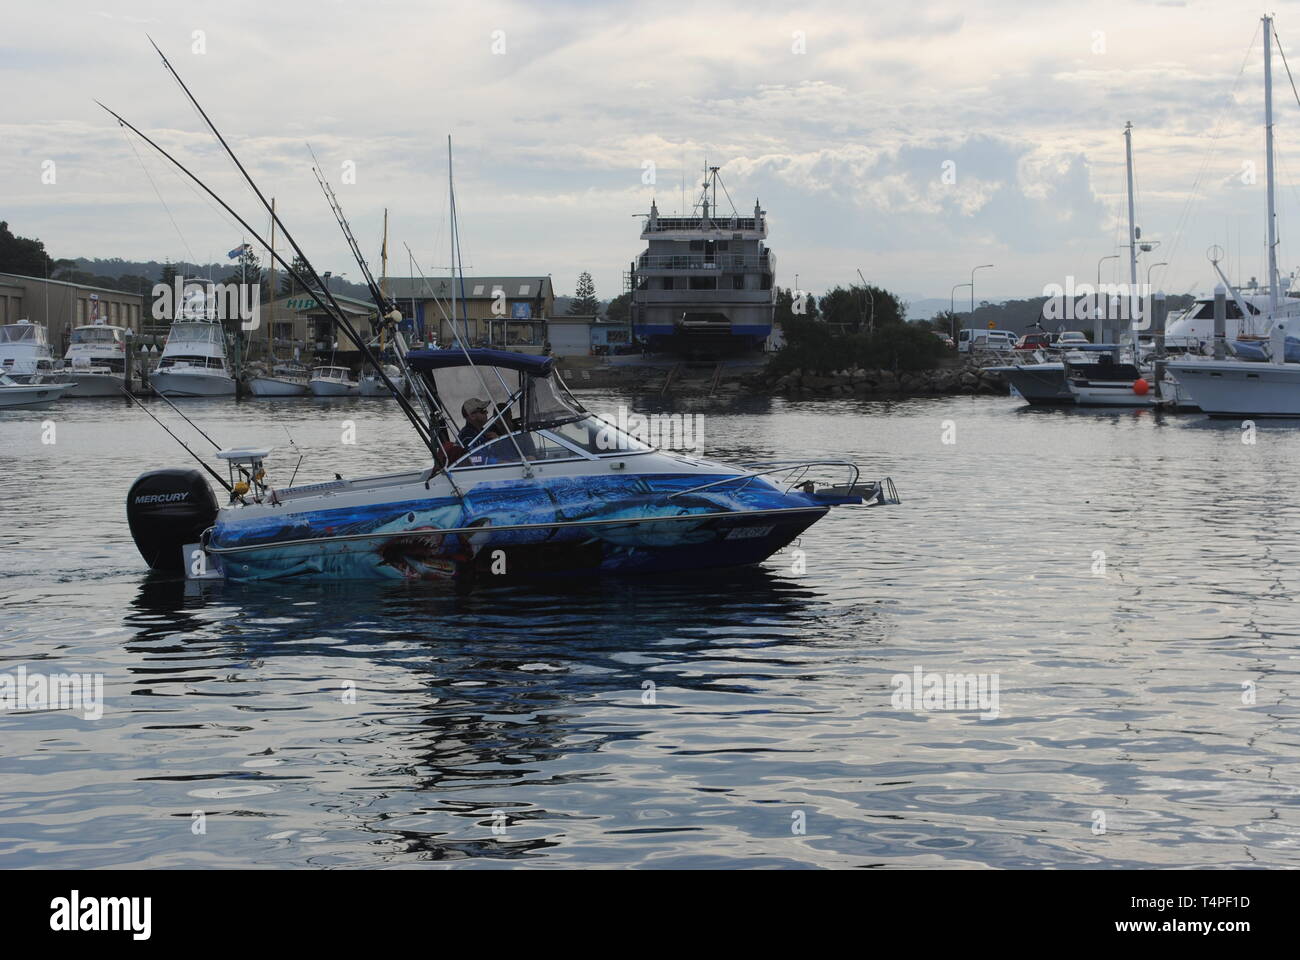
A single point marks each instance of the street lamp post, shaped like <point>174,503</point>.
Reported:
<point>1096,299</point>
<point>1152,267</point>
<point>952,309</point>
<point>982,266</point>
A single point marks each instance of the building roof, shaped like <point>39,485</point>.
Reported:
<point>469,288</point>
<point>79,286</point>
<point>438,359</point>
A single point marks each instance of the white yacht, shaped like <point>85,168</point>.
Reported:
<point>193,362</point>
<point>283,380</point>
<point>96,360</point>
<point>1244,388</point>
<point>333,382</point>
<point>25,353</point>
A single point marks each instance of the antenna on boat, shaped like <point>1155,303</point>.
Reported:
<point>319,286</point>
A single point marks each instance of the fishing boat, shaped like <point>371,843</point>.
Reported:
<point>1040,382</point>
<point>1100,379</point>
<point>283,380</point>
<point>194,362</point>
<point>559,493</point>
<point>33,394</point>
<point>96,360</point>
<point>25,353</point>
<point>541,488</point>
<point>333,382</point>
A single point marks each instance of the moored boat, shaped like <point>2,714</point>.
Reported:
<point>36,393</point>
<point>333,382</point>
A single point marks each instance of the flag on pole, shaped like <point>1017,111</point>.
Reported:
<point>239,251</point>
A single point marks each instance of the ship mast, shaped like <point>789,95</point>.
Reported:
<point>1268,159</point>
<point>270,320</point>
<point>1132,234</point>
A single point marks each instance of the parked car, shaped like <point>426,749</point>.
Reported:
<point>1034,341</point>
<point>1072,338</point>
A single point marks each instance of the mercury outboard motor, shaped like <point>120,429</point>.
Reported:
<point>167,509</point>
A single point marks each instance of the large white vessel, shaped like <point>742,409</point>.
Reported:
<point>96,360</point>
<point>1242,388</point>
<point>704,283</point>
<point>25,353</point>
<point>194,361</point>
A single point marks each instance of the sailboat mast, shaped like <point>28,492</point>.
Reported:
<point>1132,228</point>
<point>270,321</point>
<point>1268,138</point>
<point>383,281</point>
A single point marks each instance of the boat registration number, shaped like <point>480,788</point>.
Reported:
<point>748,533</point>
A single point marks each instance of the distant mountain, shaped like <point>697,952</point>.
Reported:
<point>115,269</point>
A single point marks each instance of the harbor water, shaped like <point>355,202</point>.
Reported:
<point>1125,581</point>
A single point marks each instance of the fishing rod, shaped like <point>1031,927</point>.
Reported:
<point>420,427</point>
<point>202,463</point>
<point>289,268</point>
<point>387,309</point>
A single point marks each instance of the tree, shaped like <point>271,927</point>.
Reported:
<point>859,308</point>
<point>619,309</point>
<point>584,301</point>
<point>168,274</point>
<point>26,256</point>
<point>247,269</point>
<point>288,285</point>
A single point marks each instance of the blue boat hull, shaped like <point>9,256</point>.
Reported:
<point>516,528</point>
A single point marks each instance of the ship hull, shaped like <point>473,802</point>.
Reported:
<point>180,383</point>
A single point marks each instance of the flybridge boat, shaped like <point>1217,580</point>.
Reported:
<point>25,353</point>
<point>544,488</point>
<point>96,360</point>
<point>193,363</point>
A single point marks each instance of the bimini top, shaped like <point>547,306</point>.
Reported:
<point>440,359</point>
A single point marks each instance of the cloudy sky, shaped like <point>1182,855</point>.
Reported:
<point>842,118</point>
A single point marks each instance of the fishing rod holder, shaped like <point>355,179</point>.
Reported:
<point>247,462</point>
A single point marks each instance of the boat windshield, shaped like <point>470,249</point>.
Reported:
<point>95,335</point>
<point>549,402</point>
<point>21,333</point>
<point>192,333</point>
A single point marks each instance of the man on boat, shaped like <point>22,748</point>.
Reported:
<point>475,412</point>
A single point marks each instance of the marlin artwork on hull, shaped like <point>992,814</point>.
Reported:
<point>541,488</point>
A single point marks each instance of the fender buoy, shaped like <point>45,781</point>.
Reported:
<point>1140,386</point>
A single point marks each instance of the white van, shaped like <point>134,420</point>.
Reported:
<point>973,338</point>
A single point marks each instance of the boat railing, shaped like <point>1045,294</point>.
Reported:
<point>795,471</point>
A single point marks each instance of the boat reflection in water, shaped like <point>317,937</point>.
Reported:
<point>430,717</point>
